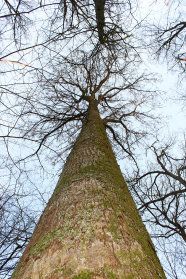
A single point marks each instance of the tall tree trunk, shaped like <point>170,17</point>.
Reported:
<point>90,227</point>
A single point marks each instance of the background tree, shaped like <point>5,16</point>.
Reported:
<point>160,195</point>
<point>63,20</point>
<point>17,223</point>
<point>168,35</point>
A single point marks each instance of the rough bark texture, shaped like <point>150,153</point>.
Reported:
<point>90,227</point>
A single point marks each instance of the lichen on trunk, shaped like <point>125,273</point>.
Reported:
<point>90,227</point>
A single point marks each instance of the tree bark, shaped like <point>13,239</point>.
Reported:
<point>100,18</point>
<point>90,227</point>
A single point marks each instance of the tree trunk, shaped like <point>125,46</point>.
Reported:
<point>100,18</point>
<point>90,227</point>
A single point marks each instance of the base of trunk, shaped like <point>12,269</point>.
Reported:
<point>91,231</point>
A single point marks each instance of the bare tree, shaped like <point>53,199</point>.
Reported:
<point>63,20</point>
<point>168,36</point>
<point>54,111</point>
<point>50,106</point>
<point>61,17</point>
<point>160,195</point>
<point>17,224</point>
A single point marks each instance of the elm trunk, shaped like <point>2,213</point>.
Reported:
<point>90,227</point>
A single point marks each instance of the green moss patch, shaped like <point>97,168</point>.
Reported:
<point>84,274</point>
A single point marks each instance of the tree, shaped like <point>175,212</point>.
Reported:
<point>168,36</point>
<point>17,223</point>
<point>159,192</point>
<point>90,227</point>
<point>163,196</point>
<point>65,20</point>
<point>14,17</point>
<point>58,110</point>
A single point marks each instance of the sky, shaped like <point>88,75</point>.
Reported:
<point>171,82</point>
